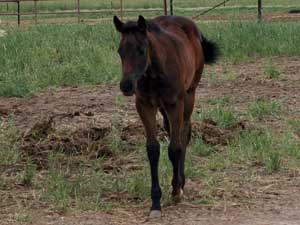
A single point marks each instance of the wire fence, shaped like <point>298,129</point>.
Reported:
<point>80,11</point>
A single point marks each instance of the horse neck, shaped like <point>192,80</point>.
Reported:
<point>158,54</point>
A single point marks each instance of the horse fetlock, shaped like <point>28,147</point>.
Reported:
<point>156,193</point>
<point>177,195</point>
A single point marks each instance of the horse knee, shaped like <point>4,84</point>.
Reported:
<point>153,151</point>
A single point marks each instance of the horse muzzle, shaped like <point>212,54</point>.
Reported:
<point>127,87</point>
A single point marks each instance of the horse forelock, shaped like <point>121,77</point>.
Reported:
<point>130,27</point>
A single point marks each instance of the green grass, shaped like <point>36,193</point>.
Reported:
<point>9,143</point>
<point>43,56</point>
<point>263,108</point>
<point>29,173</point>
<point>266,148</point>
<point>271,71</point>
<point>65,55</point>
<point>221,113</point>
<point>239,41</point>
<point>202,149</point>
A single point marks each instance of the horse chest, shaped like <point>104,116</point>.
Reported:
<point>156,89</point>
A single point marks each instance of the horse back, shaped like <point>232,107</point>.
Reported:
<point>189,54</point>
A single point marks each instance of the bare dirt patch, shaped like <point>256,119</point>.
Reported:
<point>79,119</point>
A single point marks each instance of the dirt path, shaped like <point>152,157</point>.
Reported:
<point>275,208</point>
<point>275,201</point>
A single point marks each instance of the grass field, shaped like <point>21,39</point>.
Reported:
<point>70,142</point>
<point>43,56</point>
<point>64,167</point>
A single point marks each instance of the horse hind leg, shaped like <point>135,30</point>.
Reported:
<point>189,100</point>
<point>175,149</point>
<point>165,120</point>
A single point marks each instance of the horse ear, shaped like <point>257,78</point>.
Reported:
<point>118,24</point>
<point>142,23</point>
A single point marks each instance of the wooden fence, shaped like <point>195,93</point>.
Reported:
<point>77,12</point>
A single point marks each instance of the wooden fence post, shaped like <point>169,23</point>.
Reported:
<point>259,9</point>
<point>19,15</point>
<point>78,10</point>
<point>165,8</point>
<point>35,11</point>
<point>121,9</point>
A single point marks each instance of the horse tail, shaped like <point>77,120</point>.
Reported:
<point>210,50</point>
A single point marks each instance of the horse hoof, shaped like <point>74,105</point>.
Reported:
<point>178,196</point>
<point>155,214</point>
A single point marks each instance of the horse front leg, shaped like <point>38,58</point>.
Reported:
<point>176,147</point>
<point>147,114</point>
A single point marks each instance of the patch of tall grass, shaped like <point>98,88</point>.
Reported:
<point>241,41</point>
<point>43,56</point>
<point>37,57</point>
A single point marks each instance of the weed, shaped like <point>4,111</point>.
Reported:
<point>29,173</point>
<point>119,100</point>
<point>273,162</point>
<point>272,72</point>
<point>263,108</point>
<point>230,76</point>
<point>224,116</point>
<point>222,101</point>
<point>58,189</point>
<point>202,149</point>
<point>262,147</point>
<point>3,184</point>
<point>295,124</point>
<point>212,77</point>
<point>23,217</point>
<point>115,141</point>
<point>9,142</point>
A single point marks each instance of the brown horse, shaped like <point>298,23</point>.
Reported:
<point>162,62</point>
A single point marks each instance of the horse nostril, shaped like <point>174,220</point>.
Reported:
<point>126,86</point>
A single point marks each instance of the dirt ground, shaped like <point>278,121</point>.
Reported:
<point>274,201</point>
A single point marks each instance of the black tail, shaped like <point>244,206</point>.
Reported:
<point>211,51</point>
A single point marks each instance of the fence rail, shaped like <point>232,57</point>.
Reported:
<point>81,10</point>
<point>77,11</point>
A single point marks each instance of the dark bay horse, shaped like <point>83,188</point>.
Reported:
<point>162,62</point>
